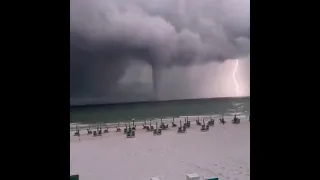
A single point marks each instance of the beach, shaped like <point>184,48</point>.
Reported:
<point>223,152</point>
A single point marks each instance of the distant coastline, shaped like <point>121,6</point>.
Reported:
<point>152,102</point>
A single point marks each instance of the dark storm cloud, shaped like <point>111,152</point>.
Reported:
<point>106,34</point>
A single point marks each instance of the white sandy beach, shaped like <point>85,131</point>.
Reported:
<point>223,151</point>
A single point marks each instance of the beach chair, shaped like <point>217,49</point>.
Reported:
<point>125,130</point>
<point>144,126</point>
<point>77,133</point>
<point>173,124</point>
<point>222,121</point>
<point>131,133</point>
<point>157,131</point>
<point>203,128</point>
<point>128,134</point>
<point>198,122</point>
<point>211,122</point>
<point>181,129</point>
<point>188,124</point>
<point>130,129</point>
<point>164,127</point>
<point>89,131</point>
<point>236,121</point>
<point>94,133</point>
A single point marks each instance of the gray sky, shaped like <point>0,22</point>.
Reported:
<point>133,50</point>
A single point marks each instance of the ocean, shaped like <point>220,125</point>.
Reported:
<point>140,111</point>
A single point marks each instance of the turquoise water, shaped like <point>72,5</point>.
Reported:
<point>147,110</point>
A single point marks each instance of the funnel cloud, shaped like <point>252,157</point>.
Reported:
<point>106,36</point>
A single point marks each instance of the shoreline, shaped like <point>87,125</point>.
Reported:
<point>139,123</point>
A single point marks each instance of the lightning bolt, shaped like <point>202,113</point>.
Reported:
<point>234,78</point>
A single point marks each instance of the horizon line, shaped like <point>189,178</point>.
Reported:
<point>153,101</point>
